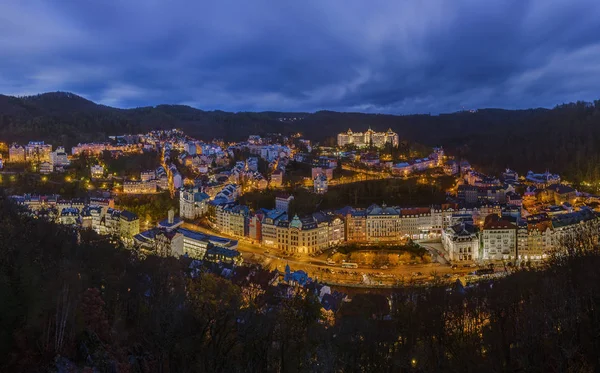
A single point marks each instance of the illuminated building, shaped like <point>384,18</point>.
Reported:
<point>368,138</point>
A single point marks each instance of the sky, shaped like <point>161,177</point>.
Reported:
<point>400,57</point>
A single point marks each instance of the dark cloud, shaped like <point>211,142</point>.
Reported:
<point>383,56</point>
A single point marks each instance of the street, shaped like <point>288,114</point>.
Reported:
<point>317,267</point>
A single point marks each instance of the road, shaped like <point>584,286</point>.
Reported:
<point>438,254</point>
<point>318,268</point>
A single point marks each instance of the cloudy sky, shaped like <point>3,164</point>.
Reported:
<point>392,56</point>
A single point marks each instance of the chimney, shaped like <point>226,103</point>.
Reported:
<point>171,216</point>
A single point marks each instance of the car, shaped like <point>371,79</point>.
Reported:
<point>384,267</point>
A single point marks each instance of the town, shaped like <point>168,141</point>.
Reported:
<point>250,202</point>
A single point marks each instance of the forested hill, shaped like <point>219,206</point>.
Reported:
<point>564,139</point>
<point>67,118</point>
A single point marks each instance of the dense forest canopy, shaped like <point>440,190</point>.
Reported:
<point>564,139</point>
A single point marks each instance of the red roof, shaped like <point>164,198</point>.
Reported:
<point>416,211</point>
<point>498,224</point>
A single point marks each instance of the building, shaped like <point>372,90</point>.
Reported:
<point>229,193</point>
<point>465,167</point>
<point>193,244</point>
<point>129,224</point>
<point>320,184</point>
<point>368,138</point>
<point>282,202</point>
<point>232,220</point>
<point>437,156</point>
<point>514,199</point>
<point>269,227</point>
<point>356,226</point>
<point>169,243</point>
<point>97,171</point>
<point>255,227</point>
<point>69,216</point>
<point>538,240</point>
<point>171,222</point>
<point>328,172</point>
<point>383,223</point>
<point>336,227</point>
<point>147,175</point>
<point>461,241</point>
<point>491,194</point>
<point>451,168</point>
<point>304,236</point>
<point>558,194</point>
<point>59,157</point>
<point>16,153</point>
<point>46,168</point>
<point>162,179</point>
<point>276,179</point>
<point>468,194</point>
<point>542,180</point>
<point>565,225</point>
<point>498,239</point>
<point>139,187</point>
<point>38,151</point>
<point>177,180</point>
<point>415,223</point>
<point>222,255</point>
<point>402,168</point>
<point>510,176</point>
<point>423,164</point>
<point>190,148</point>
<point>192,203</point>
<point>252,164</point>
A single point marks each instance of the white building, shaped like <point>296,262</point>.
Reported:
<point>383,223</point>
<point>451,167</point>
<point>139,187</point>
<point>177,180</point>
<point>415,223</point>
<point>320,184</point>
<point>97,171</point>
<point>498,239</point>
<point>282,202</point>
<point>402,168</point>
<point>370,137</point>
<point>169,243</point>
<point>229,193</point>
<point>232,220</point>
<point>46,168</point>
<point>16,153</point>
<point>38,151</point>
<point>147,175</point>
<point>59,157</point>
<point>192,203</point>
<point>276,179</point>
<point>461,241</point>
